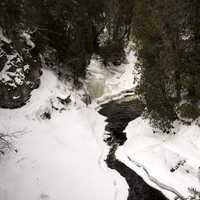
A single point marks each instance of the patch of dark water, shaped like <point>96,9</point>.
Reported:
<point>119,114</point>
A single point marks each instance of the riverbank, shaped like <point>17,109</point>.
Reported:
<point>173,160</point>
<point>119,114</point>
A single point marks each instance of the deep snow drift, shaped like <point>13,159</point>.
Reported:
<point>59,158</point>
<point>171,159</point>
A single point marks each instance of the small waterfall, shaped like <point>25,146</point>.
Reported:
<point>96,88</point>
<point>107,81</point>
<point>96,77</point>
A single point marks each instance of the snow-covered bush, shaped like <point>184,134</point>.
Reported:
<point>195,194</point>
<point>188,112</point>
<point>4,143</point>
<point>13,72</point>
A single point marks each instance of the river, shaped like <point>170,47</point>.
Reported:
<point>119,114</point>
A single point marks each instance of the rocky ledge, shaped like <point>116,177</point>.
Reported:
<point>20,70</point>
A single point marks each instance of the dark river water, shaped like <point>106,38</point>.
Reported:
<point>119,114</point>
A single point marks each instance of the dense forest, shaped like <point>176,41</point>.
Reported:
<point>66,33</point>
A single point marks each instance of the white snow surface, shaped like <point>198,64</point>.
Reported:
<point>57,159</point>
<point>160,153</point>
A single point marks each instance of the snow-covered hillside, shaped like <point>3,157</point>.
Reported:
<point>58,158</point>
<point>58,151</point>
<point>172,160</point>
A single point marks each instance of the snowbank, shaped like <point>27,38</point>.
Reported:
<point>58,158</point>
<point>171,159</point>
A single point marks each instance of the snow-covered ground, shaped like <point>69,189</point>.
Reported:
<point>63,157</point>
<point>59,158</point>
<point>171,159</point>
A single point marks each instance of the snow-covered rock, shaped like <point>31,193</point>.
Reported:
<point>19,72</point>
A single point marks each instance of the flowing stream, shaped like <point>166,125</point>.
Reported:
<point>119,114</point>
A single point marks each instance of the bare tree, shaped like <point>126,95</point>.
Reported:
<point>6,140</point>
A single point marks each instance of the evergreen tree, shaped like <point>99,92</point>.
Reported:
<point>167,34</point>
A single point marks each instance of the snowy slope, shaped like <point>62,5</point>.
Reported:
<point>171,159</point>
<point>61,158</point>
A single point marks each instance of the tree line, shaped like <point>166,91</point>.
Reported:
<point>166,34</point>
<point>76,29</point>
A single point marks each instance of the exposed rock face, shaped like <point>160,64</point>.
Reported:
<point>19,70</point>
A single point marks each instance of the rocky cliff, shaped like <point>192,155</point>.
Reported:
<point>20,69</point>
